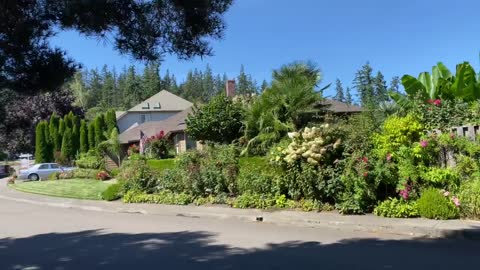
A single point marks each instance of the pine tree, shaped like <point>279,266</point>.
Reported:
<point>380,89</point>
<point>91,135</point>
<point>363,82</point>
<point>132,94</point>
<point>67,145</point>
<point>208,83</point>
<point>84,147</point>
<point>151,82</point>
<point>245,84</point>
<point>110,121</point>
<point>108,88</point>
<point>263,86</point>
<point>339,91</point>
<point>395,85</point>
<point>95,88</point>
<point>43,152</point>
<point>99,129</point>
<point>348,98</point>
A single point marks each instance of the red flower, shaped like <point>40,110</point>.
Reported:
<point>365,159</point>
<point>437,102</point>
<point>430,101</point>
<point>365,174</point>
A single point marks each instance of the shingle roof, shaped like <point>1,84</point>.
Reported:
<point>172,124</point>
<point>340,107</point>
<point>162,101</point>
<point>119,114</point>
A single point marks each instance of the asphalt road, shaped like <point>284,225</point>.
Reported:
<point>44,237</point>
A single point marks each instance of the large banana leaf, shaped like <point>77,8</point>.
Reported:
<point>403,101</point>
<point>412,86</point>
<point>426,79</point>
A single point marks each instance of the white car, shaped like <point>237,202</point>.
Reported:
<point>42,171</point>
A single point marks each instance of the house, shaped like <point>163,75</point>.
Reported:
<point>340,108</point>
<point>156,108</point>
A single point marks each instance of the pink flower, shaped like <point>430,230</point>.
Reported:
<point>456,201</point>
<point>365,174</point>
<point>437,102</point>
<point>423,143</point>
<point>365,159</point>
<point>405,194</point>
<point>389,157</point>
<point>446,193</point>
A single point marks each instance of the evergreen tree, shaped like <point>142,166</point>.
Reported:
<point>151,82</point>
<point>61,131</point>
<point>208,84</point>
<point>219,85</point>
<point>99,129</point>
<point>380,89</point>
<point>108,88</point>
<point>132,94</point>
<point>84,146</point>
<point>110,121</point>
<point>339,91</point>
<point>76,139</point>
<point>67,145</point>
<point>91,135</point>
<point>53,131</point>
<point>348,97</point>
<point>43,152</point>
<point>363,82</point>
<point>395,85</point>
<point>245,84</point>
<point>95,95</point>
<point>263,86</point>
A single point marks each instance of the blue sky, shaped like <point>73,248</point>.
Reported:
<point>396,37</point>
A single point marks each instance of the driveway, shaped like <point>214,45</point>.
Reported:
<point>49,236</point>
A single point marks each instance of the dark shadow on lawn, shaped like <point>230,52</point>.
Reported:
<point>86,250</point>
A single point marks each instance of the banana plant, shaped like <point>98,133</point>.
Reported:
<point>440,84</point>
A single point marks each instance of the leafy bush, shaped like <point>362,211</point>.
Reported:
<point>441,178</point>
<point>161,164</point>
<point>114,172</point>
<point>138,176</point>
<point>163,197</point>
<point>113,192</point>
<point>61,175</point>
<point>85,173</point>
<point>212,171</point>
<point>256,175</point>
<point>218,199</point>
<point>470,199</point>
<point>248,200</point>
<point>90,160</point>
<point>435,205</point>
<point>158,147</point>
<point>397,208</point>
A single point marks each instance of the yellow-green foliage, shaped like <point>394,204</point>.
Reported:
<point>397,132</point>
<point>312,145</point>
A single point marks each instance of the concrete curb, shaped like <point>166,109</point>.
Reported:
<point>455,229</point>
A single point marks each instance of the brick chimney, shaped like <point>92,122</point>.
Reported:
<point>230,88</point>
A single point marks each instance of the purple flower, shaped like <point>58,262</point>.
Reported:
<point>423,143</point>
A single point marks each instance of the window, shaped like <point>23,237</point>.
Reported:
<point>145,118</point>
<point>191,144</point>
<point>146,106</point>
<point>157,106</point>
<point>43,167</point>
<point>53,166</point>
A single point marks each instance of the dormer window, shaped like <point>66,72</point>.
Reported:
<point>157,106</point>
<point>146,106</point>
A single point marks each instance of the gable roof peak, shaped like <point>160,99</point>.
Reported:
<point>162,101</point>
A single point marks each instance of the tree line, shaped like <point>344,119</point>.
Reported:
<point>96,90</point>
<point>371,89</point>
<point>62,139</point>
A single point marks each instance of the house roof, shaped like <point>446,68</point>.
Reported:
<point>162,101</point>
<point>120,114</point>
<point>340,107</point>
<point>170,125</point>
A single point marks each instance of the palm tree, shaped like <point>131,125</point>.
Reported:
<point>283,106</point>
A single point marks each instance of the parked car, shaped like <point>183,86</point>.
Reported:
<point>42,171</point>
<point>6,170</point>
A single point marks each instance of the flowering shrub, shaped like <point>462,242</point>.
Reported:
<point>133,149</point>
<point>103,175</point>
<point>313,145</point>
<point>157,147</point>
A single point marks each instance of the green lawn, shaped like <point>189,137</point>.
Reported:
<point>72,188</point>
<point>161,164</point>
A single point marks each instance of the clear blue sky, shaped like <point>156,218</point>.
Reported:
<point>396,36</point>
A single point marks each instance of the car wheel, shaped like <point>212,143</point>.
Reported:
<point>33,177</point>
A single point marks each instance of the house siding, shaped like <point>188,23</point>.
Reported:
<point>131,118</point>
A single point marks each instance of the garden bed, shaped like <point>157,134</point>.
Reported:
<point>87,189</point>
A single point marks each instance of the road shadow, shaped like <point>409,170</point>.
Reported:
<point>85,250</point>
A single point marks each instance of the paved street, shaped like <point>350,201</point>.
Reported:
<point>46,237</point>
